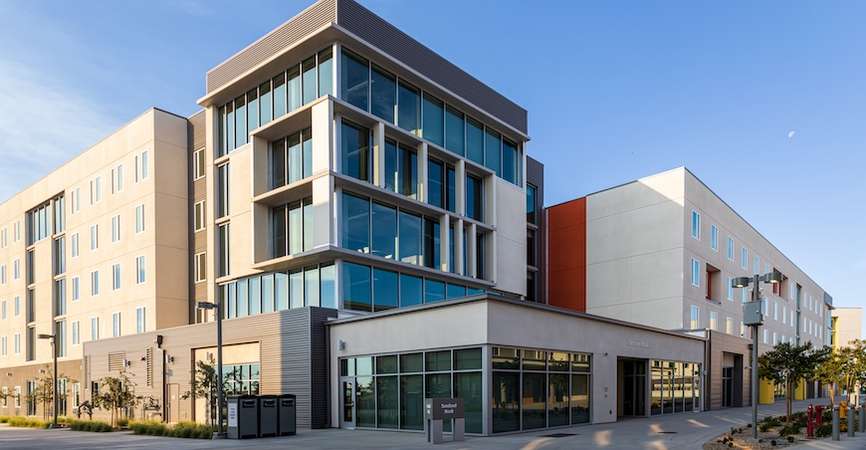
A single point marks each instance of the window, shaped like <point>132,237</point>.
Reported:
<point>115,277</point>
<point>117,179</point>
<point>3,274</point>
<point>74,245</point>
<point>60,337</point>
<point>696,225</point>
<point>76,201</point>
<point>729,325</point>
<point>115,325</point>
<point>223,190</point>
<point>76,333</point>
<point>714,237</point>
<point>16,268</point>
<point>493,151</point>
<point>695,317</point>
<point>512,163</point>
<point>357,293</point>
<point>198,163</point>
<point>94,328</point>
<point>744,258</point>
<point>730,288</point>
<point>474,198</point>
<point>139,218</point>
<point>95,190</point>
<point>94,283</point>
<point>200,267</point>
<point>436,183</point>
<point>696,273</point>
<point>223,250</point>
<point>384,229</point>
<point>354,78</point>
<point>3,352</point>
<point>291,158</point>
<point>141,166</point>
<point>714,320</point>
<point>730,249</point>
<point>408,108</point>
<point>16,343</point>
<point>410,238</point>
<point>17,306</point>
<point>37,224</point>
<point>326,69</point>
<point>115,229</point>
<point>433,111</point>
<point>94,236</point>
<point>355,150</point>
<point>140,269</point>
<point>383,88</point>
<point>198,216</point>
<point>531,195</point>
<point>76,288</point>
<point>140,319</point>
<point>356,223</point>
<point>756,266</point>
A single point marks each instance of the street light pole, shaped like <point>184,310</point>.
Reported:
<point>216,307</point>
<point>53,338</point>
<point>754,378</point>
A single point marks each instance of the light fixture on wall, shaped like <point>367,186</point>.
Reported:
<point>342,345</point>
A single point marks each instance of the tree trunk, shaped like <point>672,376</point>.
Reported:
<point>789,402</point>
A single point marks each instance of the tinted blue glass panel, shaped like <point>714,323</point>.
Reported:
<point>356,287</point>
<point>411,290</point>
<point>436,181</point>
<point>311,88</point>
<point>408,170</point>
<point>255,296</point>
<point>230,127</point>
<point>308,153</point>
<point>296,289</point>
<point>281,290</point>
<point>434,127</point>
<point>279,95</point>
<point>354,79</point>
<point>455,131</point>
<point>450,190</point>
<point>384,92</point>
<point>268,293</point>
<point>294,88</point>
<point>266,108</point>
<point>410,238</point>
<point>455,291</point>
<point>408,108</point>
<point>474,291</point>
<point>384,289</point>
<point>311,286</point>
<point>475,141</point>
<point>295,157</point>
<point>252,110</point>
<point>327,283</point>
<point>326,70</point>
<point>434,291</point>
<point>240,121</point>
<point>243,299</point>
<point>391,163</point>
<point>509,162</point>
<point>474,203</point>
<point>356,223</point>
<point>384,230</point>
<point>431,244</point>
<point>355,151</point>
<point>492,152</point>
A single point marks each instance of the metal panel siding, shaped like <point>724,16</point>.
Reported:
<point>375,30</point>
<point>197,130</point>
<point>289,33</point>
<point>319,366</point>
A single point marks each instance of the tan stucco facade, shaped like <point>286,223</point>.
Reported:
<point>847,325</point>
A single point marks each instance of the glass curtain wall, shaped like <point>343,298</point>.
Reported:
<point>675,386</point>
<point>534,389</point>
<point>259,294</point>
<point>291,158</point>
<point>390,389</point>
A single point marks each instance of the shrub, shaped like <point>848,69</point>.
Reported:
<point>764,427</point>
<point>95,426</point>
<point>826,429</point>
<point>26,422</point>
<point>189,430</point>
<point>122,423</point>
<point>771,421</point>
<point>4,419</point>
<point>790,429</point>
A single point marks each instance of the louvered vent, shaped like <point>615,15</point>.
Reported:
<point>149,356</point>
<point>116,361</point>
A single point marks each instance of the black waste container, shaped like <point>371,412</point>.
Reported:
<point>288,412</point>
<point>267,415</point>
<point>243,416</point>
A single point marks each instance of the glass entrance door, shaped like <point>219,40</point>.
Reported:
<point>347,400</point>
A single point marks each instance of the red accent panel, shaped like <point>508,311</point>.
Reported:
<point>566,225</point>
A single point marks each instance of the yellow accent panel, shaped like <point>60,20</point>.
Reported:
<point>766,396</point>
<point>800,391</point>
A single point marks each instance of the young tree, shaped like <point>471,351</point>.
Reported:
<point>44,392</point>
<point>788,364</point>
<point>831,372</point>
<point>204,386</point>
<point>115,394</point>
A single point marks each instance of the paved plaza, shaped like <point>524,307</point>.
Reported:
<point>676,432</point>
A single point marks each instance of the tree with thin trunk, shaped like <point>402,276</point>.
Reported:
<point>790,364</point>
<point>115,395</point>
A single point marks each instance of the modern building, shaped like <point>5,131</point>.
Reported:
<point>79,252</point>
<point>662,251</point>
<point>847,325</point>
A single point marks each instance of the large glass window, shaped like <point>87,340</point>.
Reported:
<point>411,288</point>
<point>354,79</point>
<point>384,91</point>
<point>436,183</point>
<point>327,286</point>
<point>408,107</point>
<point>408,171</point>
<point>492,151</point>
<point>252,109</point>
<point>434,291</point>
<point>279,95</point>
<point>293,87</point>
<point>433,120</point>
<point>506,401</point>
<point>410,238</point>
<point>385,292</point>
<point>265,102</point>
<point>356,287</point>
<point>455,131</point>
<point>450,189</point>
<point>240,121</point>
<point>384,230</point>
<point>355,150</point>
<point>356,223</point>
<point>510,162</point>
<point>474,198</point>
<point>431,244</point>
<point>310,85</point>
<point>475,141</point>
<point>392,175</point>
<point>326,70</point>
<point>531,195</point>
<point>412,402</point>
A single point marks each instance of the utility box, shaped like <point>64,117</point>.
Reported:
<point>243,417</point>
<point>287,413</point>
<point>267,415</point>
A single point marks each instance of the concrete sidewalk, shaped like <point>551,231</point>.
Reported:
<point>857,442</point>
<point>686,431</point>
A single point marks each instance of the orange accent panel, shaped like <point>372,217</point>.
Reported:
<point>566,228</point>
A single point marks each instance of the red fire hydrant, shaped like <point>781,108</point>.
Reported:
<point>810,422</point>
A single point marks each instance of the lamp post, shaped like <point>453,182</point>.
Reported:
<point>215,307</point>
<point>753,315</point>
<point>54,377</point>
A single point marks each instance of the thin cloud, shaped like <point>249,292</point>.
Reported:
<point>791,134</point>
<point>46,125</point>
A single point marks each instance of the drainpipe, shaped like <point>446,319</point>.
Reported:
<point>159,339</point>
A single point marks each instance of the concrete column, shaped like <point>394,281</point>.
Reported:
<point>422,172</point>
<point>379,154</point>
<point>335,81</point>
<point>336,197</point>
<point>336,163</point>
<point>458,248</point>
<point>325,132</point>
<point>460,187</point>
<point>471,256</point>
<point>444,222</point>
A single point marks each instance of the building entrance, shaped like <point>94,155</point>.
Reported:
<point>632,387</point>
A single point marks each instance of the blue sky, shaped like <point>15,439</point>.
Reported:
<point>764,101</point>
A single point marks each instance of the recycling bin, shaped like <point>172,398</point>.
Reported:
<point>243,416</point>
<point>267,415</point>
<point>288,412</point>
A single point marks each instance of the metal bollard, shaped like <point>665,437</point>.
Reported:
<point>851,422</point>
<point>835,423</point>
<point>862,416</point>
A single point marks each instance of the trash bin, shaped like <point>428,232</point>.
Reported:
<point>243,416</point>
<point>267,415</point>
<point>287,414</point>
